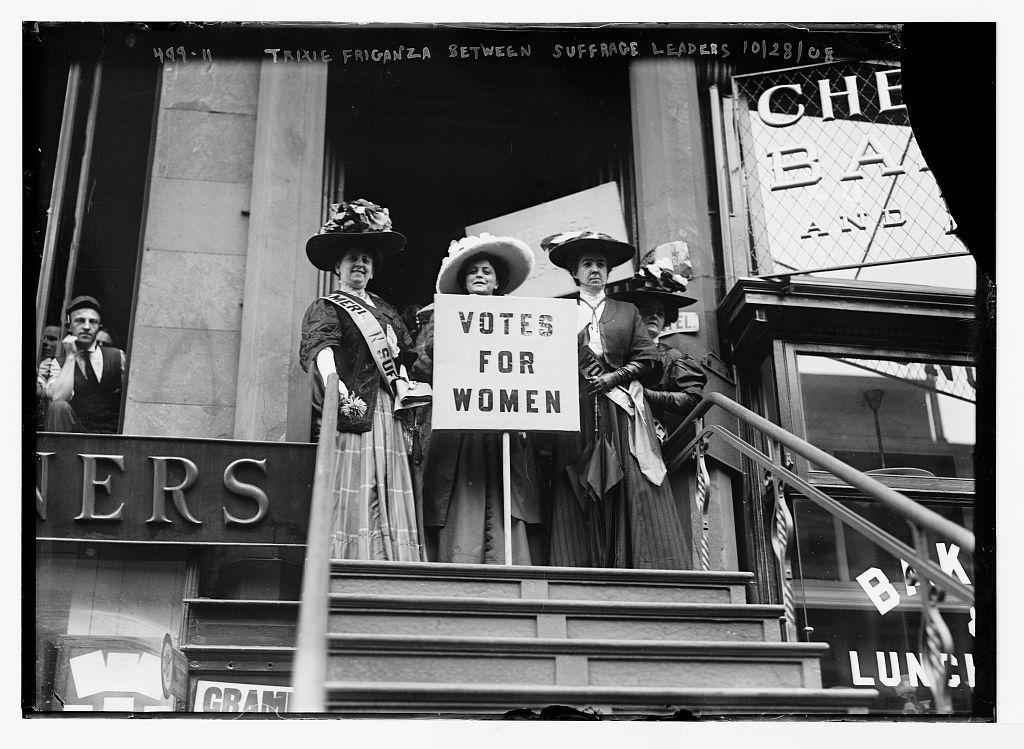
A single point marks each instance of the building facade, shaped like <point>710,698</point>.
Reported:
<point>181,173</point>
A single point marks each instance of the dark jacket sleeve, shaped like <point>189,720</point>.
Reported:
<point>680,388</point>
<point>320,328</point>
<point>423,369</point>
<point>643,351</point>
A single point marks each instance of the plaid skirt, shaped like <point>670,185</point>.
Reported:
<point>373,514</point>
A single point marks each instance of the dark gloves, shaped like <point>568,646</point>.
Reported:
<point>407,358</point>
<point>622,376</point>
<point>666,401</point>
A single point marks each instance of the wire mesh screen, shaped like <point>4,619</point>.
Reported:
<point>833,172</point>
<point>948,379</point>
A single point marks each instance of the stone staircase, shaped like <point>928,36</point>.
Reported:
<point>443,640</point>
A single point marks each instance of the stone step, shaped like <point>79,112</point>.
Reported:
<point>540,662</point>
<point>613,620</point>
<point>257,664</point>
<point>396,699</point>
<point>562,662</point>
<point>271,623</point>
<point>564,583</point>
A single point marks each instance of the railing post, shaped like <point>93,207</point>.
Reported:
<point>309,672</point>
<point>782,537</point>
<point>703,495</point>
<point>934,640</point>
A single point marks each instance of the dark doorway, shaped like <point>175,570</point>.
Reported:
<point>444,145</point>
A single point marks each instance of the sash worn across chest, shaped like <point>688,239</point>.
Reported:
<point>642,435</point>
<point>591,365</point>
<point>373,334</point>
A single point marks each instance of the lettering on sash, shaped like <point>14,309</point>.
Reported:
<point>373,334</point>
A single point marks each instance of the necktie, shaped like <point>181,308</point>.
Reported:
<point>86,364</point>
<point>592,331</point>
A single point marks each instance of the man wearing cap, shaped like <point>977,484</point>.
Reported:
<point>86,394</point>
<point>657,291</point>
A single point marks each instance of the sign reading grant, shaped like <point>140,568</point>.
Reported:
<point>505,364</point>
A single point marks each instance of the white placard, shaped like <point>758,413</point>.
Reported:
<point>595,209</point>
<point>505,364</point>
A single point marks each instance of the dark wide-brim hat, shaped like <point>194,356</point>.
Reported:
<point>358,224</point>
<point>564,248</point>
<point>671,301</point>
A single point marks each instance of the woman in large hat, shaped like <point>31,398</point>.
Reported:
<point>611,502</point>
<point>462,483</point>
<point>373,514</point>
<point>658,292</point>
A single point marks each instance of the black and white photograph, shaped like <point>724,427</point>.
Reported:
<point>475,371</point>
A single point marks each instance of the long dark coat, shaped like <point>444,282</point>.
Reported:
<point>634,524</point>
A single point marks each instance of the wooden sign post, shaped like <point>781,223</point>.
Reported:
<point>505,364</point>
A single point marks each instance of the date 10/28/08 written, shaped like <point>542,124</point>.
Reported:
<point>180,54</point>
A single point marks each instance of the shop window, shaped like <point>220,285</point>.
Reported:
<point>818,539</point>
<point>829,550</point>
<point>101,618</point>
<point>906,421</point>
<point>883,416</point>
<point>883,653</point>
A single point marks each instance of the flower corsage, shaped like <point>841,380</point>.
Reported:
<point>352,407</point>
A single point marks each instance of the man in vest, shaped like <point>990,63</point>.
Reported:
<point>86,394</point>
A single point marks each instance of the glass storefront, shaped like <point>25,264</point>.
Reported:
<point>880,415</point>
<point>843,583</point>
<point>102,613</point>
<point>883,653</point>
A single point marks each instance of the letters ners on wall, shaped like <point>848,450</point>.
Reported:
<point>193,491</point>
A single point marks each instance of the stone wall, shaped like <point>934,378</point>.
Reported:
<point>184,354</point>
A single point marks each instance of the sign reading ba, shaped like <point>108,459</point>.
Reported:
<point>505,364</point>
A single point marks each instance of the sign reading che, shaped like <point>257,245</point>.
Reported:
<point>834,175</point>
<point>505,364</point>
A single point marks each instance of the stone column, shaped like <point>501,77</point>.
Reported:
<point>672,175</point>
<point>673,204</point>
<point>272,401</point>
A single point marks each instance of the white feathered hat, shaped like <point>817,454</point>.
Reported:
<point>514,253</point>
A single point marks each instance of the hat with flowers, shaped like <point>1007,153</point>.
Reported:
<point>661,283</point>
<point>358,223</point>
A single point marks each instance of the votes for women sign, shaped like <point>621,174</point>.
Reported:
<point>505,364</point>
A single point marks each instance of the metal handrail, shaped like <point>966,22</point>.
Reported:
<point>872,488</point>
<point>865,527</point>
<point>934,636</point>
<point>309,672</point>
